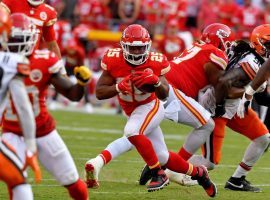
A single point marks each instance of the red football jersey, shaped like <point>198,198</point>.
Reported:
<point>43,16</point>
<point>114,62</point>
<point>43,64</point>
<point>187,71</point>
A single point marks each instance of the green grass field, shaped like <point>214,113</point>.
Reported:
<point>86,135</point>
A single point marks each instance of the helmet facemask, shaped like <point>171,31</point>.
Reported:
<point>265,47</point>
<point>137,52</point>
<point>22,41</point>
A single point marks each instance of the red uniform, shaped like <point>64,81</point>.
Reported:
<point>74,55</point>
<point>43,16</point>
<point>171,47</point>
<point>43,64</point>
<point>62,33</point>
<point>117,66</point>
<point>187,71</point>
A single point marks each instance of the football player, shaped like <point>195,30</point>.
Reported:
<point>144,70</point>
<point>46,69</point>
<point>204,55</point>
<point>42,15</point>
<point>245,61</point>
<point>13,68</point>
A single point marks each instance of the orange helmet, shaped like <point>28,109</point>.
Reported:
<point>5,26</point>
<point>219,35</point>
<point>260,39</point>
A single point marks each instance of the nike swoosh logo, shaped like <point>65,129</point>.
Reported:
<point>237,186</point>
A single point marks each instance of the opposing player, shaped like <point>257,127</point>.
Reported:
<point>42,15</point>
<point>46,69</point>
<point>13,68</point>
<point>126,72</point>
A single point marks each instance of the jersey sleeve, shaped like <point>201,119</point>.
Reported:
<point>52,15</point>
<point>219,58</point>
<point>48,30</point>
<point>105,62</point>
<point>165,67</point>
<point>248,69</point>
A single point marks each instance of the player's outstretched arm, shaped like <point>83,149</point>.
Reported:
<point>64,86</point>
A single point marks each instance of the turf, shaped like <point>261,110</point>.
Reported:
<point>86,135</point>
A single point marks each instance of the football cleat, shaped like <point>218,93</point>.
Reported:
<point>158,181</point>
<point>204,180</point>
<point>145,175</point>
<point>240,184</point>
<point>181,179</point>
<point>92,169</point>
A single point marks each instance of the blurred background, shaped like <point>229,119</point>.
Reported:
<point>87,28</point>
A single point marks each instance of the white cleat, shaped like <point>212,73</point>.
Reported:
<point>181,179</point>
<point>92,169</point>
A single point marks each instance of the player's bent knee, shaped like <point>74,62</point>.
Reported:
<point>263,140</point>
<point>210,125</point>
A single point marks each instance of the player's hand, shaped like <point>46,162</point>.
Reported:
<point>140,78</point>
<point>83,75</point>
<point>220,110</point>
<point>32,161</point>
<point>243,105</point>
<point>124,86</point>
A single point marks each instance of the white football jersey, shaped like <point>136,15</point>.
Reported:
<point>9,63</point>
<point>251,65</point>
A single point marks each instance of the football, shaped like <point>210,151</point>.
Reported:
<point>147,88</point>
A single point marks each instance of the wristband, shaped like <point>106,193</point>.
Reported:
<point>158,84</point>
<point>250,91</point>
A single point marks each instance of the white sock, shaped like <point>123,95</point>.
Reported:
<point>22,192</point>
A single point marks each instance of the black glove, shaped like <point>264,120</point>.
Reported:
<point>220,110</point>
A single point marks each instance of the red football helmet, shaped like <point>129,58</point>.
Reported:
<point>35,2</point>
<point>24,35</point>
<point>136,44</point>
<point>260,40</point>
<point>219,35</point>
<point>5,27</point>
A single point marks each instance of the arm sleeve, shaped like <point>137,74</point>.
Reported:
<point>25,113</point>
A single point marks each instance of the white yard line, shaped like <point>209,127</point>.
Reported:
<point>107,131</point>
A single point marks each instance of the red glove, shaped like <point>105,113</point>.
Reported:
<point>32,161</point>
<point>124,86</point>
<point>141,78</point>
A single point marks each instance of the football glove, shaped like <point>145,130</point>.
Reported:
<point>32,161</point>
<point>124,86</point>
<point>140,78</point>
<point>220,110</point>
<point>83,75</point>
<point>245,102</point>
<point>243,106</point>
